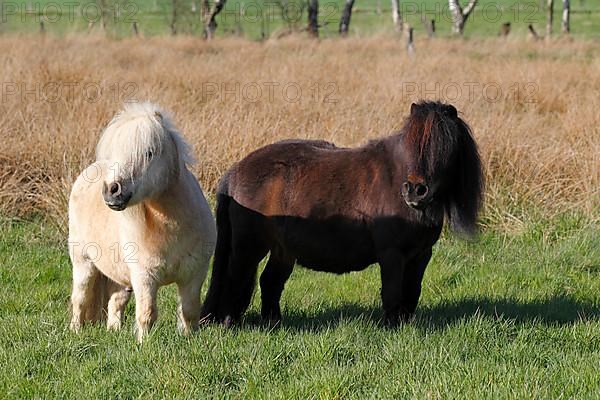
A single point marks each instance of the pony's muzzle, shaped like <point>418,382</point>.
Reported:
<point>416,195</point>
<point>115,197</point>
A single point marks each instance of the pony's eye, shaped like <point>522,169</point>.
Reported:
<point>149,155</point>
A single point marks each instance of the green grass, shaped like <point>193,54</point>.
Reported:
<point>506,316</point>
<point>253,18</point>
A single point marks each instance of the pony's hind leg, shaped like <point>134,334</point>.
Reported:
<point>85,304</point>
<point>118,297</point>
<point>188,313</point>
<point>243,263</point>
<point>272,281</point>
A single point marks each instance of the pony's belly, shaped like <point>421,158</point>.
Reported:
<point>334,245</point>
<point>117,272</point>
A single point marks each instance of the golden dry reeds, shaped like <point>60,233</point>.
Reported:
<point>534,107</point>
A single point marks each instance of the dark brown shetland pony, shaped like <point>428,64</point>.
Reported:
<point>342,209</point>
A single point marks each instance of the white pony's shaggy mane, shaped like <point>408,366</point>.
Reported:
<point>137,129</point>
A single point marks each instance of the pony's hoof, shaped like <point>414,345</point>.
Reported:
<point>75,327</point>
<point>271,323</point>
<point>228,322</point>
<point>271,319</point>
<point>113,325</point>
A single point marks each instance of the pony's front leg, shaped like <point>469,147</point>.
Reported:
<point>392,266</point>
<point>145,289</point>
<point>83,300</point>
<point>118,299</point>
<point>411,283</point>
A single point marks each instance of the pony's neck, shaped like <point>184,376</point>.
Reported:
<point>161,210</point>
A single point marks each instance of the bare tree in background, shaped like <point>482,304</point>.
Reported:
<point>173,24</point>
<point>396,16</point>
<point>460,15</point>
<point>566,26</point>
<point>345,18</point>
<point>549,18</point>
<point>210,23</point>
<point>103,4</point>
<point>313,16</point>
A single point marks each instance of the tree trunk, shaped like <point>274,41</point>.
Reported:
<point>460,15</point>
<point>174,18</point>
<point>103,17</point>
<point>313,17</point>
<point>429,26</point>
<point>204,9</point>
<point>410,46</point>
<point>396,16</point>
<point>345,19</point>
<point>566,26</point>
<point>532,33</point>
<point>210,23</point>
<point>549,18</point>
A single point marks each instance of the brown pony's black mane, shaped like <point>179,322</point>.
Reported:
<point>445,146</point>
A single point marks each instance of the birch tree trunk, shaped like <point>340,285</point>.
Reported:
<point>396,16</point>
<point>549,17</point>
<point>566,26</point>
<point>345,19</point>
<point>204,10</point>
<point>313,17</point>
<point>460,15</point>
<point>210,23</point>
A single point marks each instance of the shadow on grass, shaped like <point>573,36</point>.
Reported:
<point>560,310</point>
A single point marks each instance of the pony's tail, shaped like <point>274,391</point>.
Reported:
<point>218,281</point>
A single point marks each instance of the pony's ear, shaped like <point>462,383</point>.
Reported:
<point>450,111</point>
<point>413,108</point>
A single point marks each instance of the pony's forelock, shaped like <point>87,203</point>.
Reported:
<point>138,129</point>
<point>433,133</point>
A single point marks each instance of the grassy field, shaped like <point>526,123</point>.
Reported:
<point>513,314</point>
<point>259,18</point>
<point>507,316</point>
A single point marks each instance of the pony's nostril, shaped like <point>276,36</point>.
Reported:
<point>406,187</point>
<point>115,188</point>
<point>421,190</point>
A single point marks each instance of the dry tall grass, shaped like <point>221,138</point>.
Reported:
<point>542,158</point>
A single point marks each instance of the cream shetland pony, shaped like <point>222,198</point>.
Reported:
<point>138,220</point>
